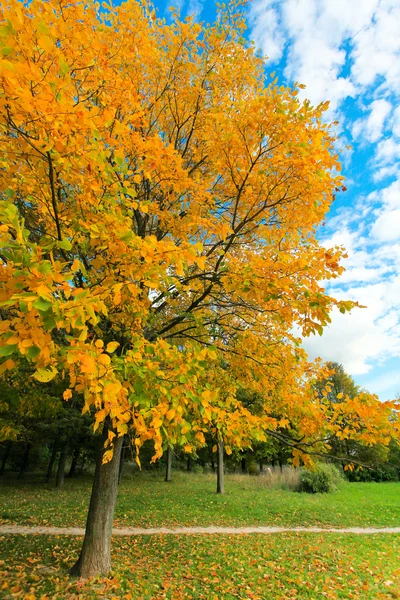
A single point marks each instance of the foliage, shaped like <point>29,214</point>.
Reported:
<point>145,501</point>
<point>383,472</point>
<point>290,565</point>
<point>159,206</point>
<point>323,479</point>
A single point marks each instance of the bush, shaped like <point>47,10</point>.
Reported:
<point>378,474</point>
<point>323,479</point>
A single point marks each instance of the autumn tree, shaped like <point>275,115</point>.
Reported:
<point>159,206</point>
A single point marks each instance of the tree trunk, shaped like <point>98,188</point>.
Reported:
<point>74,463</point>
<point>25,461</point>
<point>61,466</point>
<point>243,461</point>
<point>189,463</point>
<point>220,468</point>
<point>168,470</point>
<point>261,467</point>
<point>51,463</point>
<point>95,556</point>
<point>121,461</point>
<point>5,457</point>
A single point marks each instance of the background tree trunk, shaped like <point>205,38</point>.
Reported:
<point>75,458</point>
<point>6,455</point>
<point>95,556</point>
<point>243,463</point>
<point>189,463</point>
<point>25,461</point>
<point>168,471</point>
<point>51,462</point>
<point>220,468</point>
<point>61,466</point>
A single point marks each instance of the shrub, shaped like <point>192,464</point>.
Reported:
<point>323,479</point>
<point>378,474</point>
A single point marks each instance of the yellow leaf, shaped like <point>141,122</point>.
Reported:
<point>45,375</point>
<point>75,266</point>
<point>99,343</point>
<point>170,414</point>
<point>67,394</point>
<point>200,436</point>
<point>107,456</point>
<point>112,346</point>
<point>46,43</point>
<point>104,359</point>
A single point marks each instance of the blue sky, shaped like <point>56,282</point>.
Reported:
<point>348,52</point>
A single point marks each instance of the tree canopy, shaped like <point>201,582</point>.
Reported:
<point>159,207</point>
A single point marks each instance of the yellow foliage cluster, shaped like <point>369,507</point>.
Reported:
<point>158,211</point>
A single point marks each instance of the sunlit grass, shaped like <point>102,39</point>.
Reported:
<point>146,500</point>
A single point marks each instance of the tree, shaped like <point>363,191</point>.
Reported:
<point>159,203</point>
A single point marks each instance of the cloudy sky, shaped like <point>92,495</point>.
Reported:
<point>348,52</point>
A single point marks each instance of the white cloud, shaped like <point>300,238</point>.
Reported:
<point>195,8</point>
<point>266,31</point>
<point>367,335</point>
<point>388,151</point>
<point>387,224</point>
<point>376,48</point>
<point>396,122</point>
<point>371,128</point>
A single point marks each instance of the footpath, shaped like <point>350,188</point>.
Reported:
<point>211,530</point>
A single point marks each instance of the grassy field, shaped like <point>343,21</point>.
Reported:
<point>292,565</point>
<point>208,567</point>
<point>190,499</point>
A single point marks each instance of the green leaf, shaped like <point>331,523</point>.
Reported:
<point>33,351</point>
<point>42,304</point>
<point>49,323</point>
<point>6,50</point>
<point>64,244</point>
<point>7,350</point>
<point>63,66</point>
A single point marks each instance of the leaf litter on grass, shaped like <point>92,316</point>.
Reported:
<point>295,565</point>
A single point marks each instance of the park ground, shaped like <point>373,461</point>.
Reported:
<point>210,567</point>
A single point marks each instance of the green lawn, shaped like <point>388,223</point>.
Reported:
<point>293,565</point>
<point>190,499</point>
<point>208,567</point>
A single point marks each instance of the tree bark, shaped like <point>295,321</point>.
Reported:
<point>51,463</point>
<point>168,471</point>
<point>189,463</point>
<point>5,457</point>
<point>61,466</point>
<point>243,461</point>
<point>25,461</point>
<point>95,556</point>
<point>74,463</point>
<point>121,461</point>
<point>220,468</point>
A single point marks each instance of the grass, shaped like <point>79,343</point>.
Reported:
<point>190,499</point>
<point>253,567</point>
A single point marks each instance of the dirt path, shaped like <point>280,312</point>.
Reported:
<point>126,531</point>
